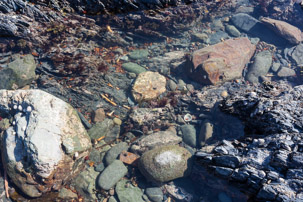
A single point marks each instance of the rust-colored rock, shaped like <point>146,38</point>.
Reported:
<point>129,158</point>
<point>287,31</point>
<point>221,62</point>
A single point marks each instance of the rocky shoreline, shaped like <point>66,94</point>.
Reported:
<point>151,100</point>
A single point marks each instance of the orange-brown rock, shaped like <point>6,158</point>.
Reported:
<point>287,31</point>
<point>221,62</point>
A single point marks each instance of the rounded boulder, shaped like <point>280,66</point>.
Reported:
<point>165,163</point>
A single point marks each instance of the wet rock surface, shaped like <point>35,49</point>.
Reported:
<point>91,53</point>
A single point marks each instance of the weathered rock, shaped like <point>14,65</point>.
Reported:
<point>289,32</point>
<point>199,37</point>
<point>221,62</point>
<point>111,175</point>
<point>148,86</point>
<point>18,73</point>
<point>260,67</point>
<point>189,135</point>
<point>232,30</point>
<point>133,68</point>
<point>297,53</point>
<point>161,138</point>
<point>85,184</point>
<point>155,194</point>
<point>105,128</point>
<point>218,37</point>
<point>286,72</point>
<point>206,132</point>
<point>127,192</point>
<point>67,194</point>
<point>47,133</point>
<point>114,152</point>
<point>98,115</point>
<point>165,163</point>
<point>138,54</point>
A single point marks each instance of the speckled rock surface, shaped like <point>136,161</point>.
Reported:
<point>148,85</point>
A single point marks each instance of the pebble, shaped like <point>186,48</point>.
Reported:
<point>117,121</point>
<point>111,175</point>
<point>286,72</point>
<point>275,66</point>
<point>189,135</point>
<point>224,94</point>
<point>98,115</point>
<point>128,193</point>
<point>232,30</point>
<point>138,54</point>
<point>112,154</point>
<point>155,194</point>
<point>133,67</point>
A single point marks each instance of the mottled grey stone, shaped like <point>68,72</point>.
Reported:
<point>114,152</point>
<point>111,175</point>
<point>155,194</point>
<point>128,193</point>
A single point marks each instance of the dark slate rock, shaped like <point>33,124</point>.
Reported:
<point>258,157</point>
<point>267,193</point>
<point>240,175</point>
<point>296,160</point>
<point>295,174</point>
<point>227,161</point>
<point>222,171</point>
<point>272,175</point>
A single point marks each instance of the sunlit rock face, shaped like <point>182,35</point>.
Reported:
<point>221,62</point>
<point>41,141</point>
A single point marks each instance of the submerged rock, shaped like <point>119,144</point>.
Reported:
<point>148,86</point>
<point>221,62</point>
<point>260,67</point>
<point>41,143</point>
<point>128,193</point>
<point>289,32</point>
<point>165,163</point>
<point>111,175</point>
<point>18,73</point>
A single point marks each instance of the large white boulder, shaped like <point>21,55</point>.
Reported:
<point>44,137</point>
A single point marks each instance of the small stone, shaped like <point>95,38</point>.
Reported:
<point>100,167</point>
<point>112,154</point>
<point>232,30</point>
<point>217,25</point>
<point>275,66</point>
<point>67,194</point>
<point>286,72</point>
<point>129,158</point>
<point>111,175</point>
<point>172,85</point>
<point>98,115</point>
<point>224,94</point>
<point>199,37</point>
<point>112,199</point>
<point>128,193</point>
<point>117,121</point>
<point>155,194</point>
<point>138,54</point>
<point>111,192</point>
<point>165,163</point>
<point>148,86</point>
<point>133,68</point>
<point>206,132</point>
<point>189,135</point>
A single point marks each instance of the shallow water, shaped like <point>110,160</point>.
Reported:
<point>77,65</point>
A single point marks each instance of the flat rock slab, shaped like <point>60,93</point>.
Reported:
<point>45,134</point>
<point>221,62</point>
<point>148,86</point>
<point>111,175</point>
<point>165,163</point>
<point>287,31</point>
